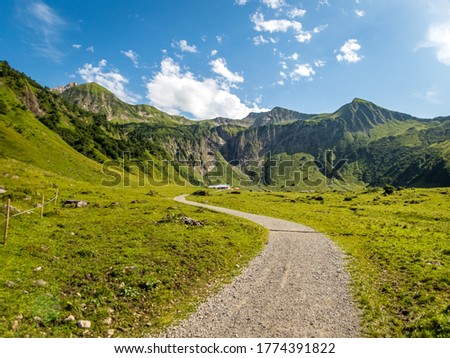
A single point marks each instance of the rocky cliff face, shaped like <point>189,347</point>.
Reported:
<point>62,89</point>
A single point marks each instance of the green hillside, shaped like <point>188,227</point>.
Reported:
<point>95,98</point>
<point>127,262</point>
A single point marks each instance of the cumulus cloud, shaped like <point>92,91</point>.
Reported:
<point>360,13</point>
<point>240,2</point>
<point>438,37</point>
<point>295,12</point>
<point>176,91</point>
<point>303,36</point>
<point>349,52</point>
<point>214,52</point>
<point>90,49</point>
<point>133,56</point>
<point>77,46</point>
<point>219,66</point>
<point>280,25</point>
<point>274,4</point>
<point>185,47</point>
<point>302,71</point>
<point>112,80</point>
<point>294,57</point>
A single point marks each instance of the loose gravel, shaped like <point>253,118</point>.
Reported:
<point>296,287</point>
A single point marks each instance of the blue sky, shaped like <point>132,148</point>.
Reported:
<point>204,58</point>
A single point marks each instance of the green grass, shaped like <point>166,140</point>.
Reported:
<point>132,262</point>
<point>398,248</point>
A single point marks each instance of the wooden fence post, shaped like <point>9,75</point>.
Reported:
<point>42,206</point>
<point>8,210</point>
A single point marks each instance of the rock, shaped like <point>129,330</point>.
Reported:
<point>84,324</point>
<point>190,221</point>
<point>2,190</point>
<point>75,203</point>
<point>107,321</point>
<point>38,268</point>
<point>41,283</point>
<point>15,326</point>
<point>10,284</point>
<point>110,333</point>
<point>139,202</point>
<point>19,317</point>
<point>37,319</point>
<point>69,319</point>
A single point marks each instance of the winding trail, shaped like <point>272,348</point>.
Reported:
<point>296,287</point>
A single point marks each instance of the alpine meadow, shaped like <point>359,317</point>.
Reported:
<point>92,242</point>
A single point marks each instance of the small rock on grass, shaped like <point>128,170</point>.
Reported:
<point>107,321</point>
<point>84,324</point>
<point>41,283</point>
<point>69,319</point>
<point>110,333</point>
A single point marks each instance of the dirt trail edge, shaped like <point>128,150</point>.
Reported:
<point>296,287</point>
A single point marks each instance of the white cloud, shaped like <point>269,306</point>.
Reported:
<point>274,4</point>
<point>261,40</point>
<point>176,91</point>
<point>296,13</point>
<point>320,63</point>
<point>112,80</point>
<point>281,25</point>
<point>319,29</point>
<point>349,52</point>
<point>295,56</point>
<point>303,36</point>
<point>438,37</point>
<point>133,56</point>
<point>77,46</point>
<point>240,2</point>
<point>46,28</point>
<point>214,52</point>
<point>302,71</point>
<point>219,66</point>
<point>90,49</point>
<point>219,39</point>
<point>360,13</point>
<point>185,47</point>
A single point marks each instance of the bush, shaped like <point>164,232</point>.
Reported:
<point>200,193</point>
<point>388,189</point>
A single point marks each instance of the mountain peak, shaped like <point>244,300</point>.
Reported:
<point>61,89</point>
<point>363,115</point>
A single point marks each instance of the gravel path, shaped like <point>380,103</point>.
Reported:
<point>296,287</point>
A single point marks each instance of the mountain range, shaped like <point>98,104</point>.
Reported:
<point>357,145</point>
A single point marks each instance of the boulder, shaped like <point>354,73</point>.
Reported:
<point>75,203</point>
<point>84,324</point>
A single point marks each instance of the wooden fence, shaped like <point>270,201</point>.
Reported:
<point>40,207</point>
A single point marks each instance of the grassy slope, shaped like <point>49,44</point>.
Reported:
<point>398,248</point>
